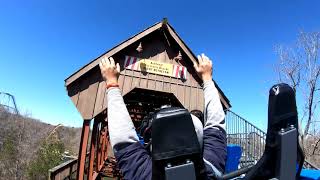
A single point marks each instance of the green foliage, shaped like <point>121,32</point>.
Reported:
<point>9,150</point>
<point>48,156</point>
<point>9,156</point>
<point>20,141</point>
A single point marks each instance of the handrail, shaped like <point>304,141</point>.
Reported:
<point>66,170</point>
<point>309,165</point>
<point>248,136</point>
<point>246,121</point>
<point>238,132</point>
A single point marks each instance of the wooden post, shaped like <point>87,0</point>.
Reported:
<point>99,149</point>
<point>107,143</point>
<point>103,149</point>
<point>93,148</point>
<point>83,149</point>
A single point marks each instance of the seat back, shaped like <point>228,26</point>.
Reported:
<point>175,146</point>
<point>282,113</point>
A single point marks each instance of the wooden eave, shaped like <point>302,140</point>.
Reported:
<point>136,38</point>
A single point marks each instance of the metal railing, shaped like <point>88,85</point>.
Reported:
<point>66,170</point>
<point>308,165</point>
<point>250,138</point>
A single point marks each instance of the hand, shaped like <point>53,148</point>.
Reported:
<point>109,71</point>
<point>204,68</point>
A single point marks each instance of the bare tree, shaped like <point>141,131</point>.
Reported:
<point>299,66</point>
<point>310,44</point>
<point>289,67</point>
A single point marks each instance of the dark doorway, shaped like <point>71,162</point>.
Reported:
<point>140,102</point>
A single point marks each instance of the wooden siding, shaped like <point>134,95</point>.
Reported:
<point>89,96</point>
<point>88,93</point>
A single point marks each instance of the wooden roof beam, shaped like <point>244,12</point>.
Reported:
<point>111,52</point>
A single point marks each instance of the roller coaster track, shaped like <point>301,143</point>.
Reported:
<point>8,102</point>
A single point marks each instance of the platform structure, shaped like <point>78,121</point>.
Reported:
<point>240,133</point>
<point>156,69</point>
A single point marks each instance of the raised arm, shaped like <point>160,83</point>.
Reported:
<point>214,136</point>
<point>121,128</point>
<point>213,111</point>
<point>133,160</point>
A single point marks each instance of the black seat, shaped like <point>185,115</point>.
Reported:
<point>174,143</point>
<point>282,113</point>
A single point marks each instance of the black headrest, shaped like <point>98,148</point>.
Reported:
<point>282,113</point>
<point>282,110</point>
<point>173,134</point>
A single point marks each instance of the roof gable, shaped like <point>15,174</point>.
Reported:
<point>87,81</point>
<point>111,52</point>
<point>164,24</point>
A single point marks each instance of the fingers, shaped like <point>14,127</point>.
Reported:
<point>109,71</point>
<point>196,67</point>
<point>107,63</point>
<point>205,58</point>
<point>104,62</point>
<point>100,65</point>
<point>111,62</point>
<point>200,59</point>
<point>118,67</point>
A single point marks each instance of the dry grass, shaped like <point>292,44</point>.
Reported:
<point>27,134</point>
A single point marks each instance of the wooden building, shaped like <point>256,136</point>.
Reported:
<point>156,69</point>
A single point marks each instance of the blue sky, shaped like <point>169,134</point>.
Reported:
<point>43,42</point>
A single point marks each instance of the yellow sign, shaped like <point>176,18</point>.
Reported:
<point>155,67</point>
<point>150,66</point>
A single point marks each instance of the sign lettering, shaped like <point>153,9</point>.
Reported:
<point>154,67</point>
